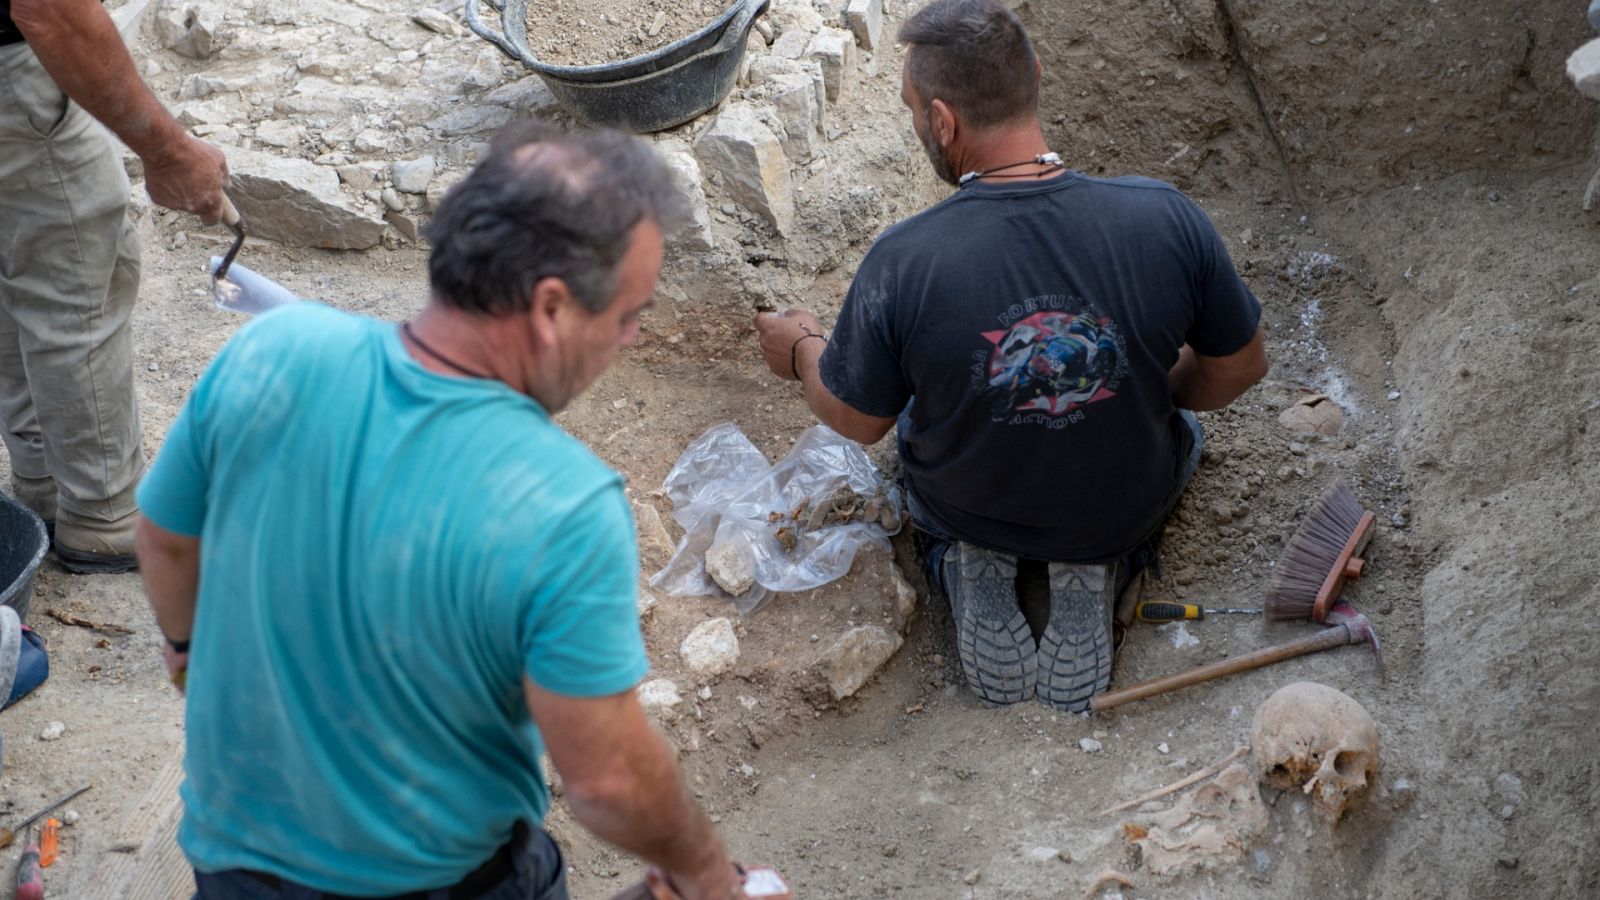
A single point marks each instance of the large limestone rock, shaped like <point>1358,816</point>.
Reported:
<point>865,18</point>
<point>191,28</point>
<point>836,50</point>
<point>298,202</point>
<point>851,661</point>
<point>794,96</point>
<point>754,171</point>
<point>711,648</point>
<point>690,231</point>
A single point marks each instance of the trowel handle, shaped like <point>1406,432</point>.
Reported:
<point>230,213</point>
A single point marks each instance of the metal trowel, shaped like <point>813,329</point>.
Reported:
<point>236,288</point>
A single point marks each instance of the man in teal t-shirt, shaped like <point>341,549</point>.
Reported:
<point>389,581</point>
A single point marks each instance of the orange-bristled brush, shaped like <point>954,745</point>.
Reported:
<point>1323,554</point>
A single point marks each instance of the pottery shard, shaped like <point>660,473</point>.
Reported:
<point>298,202</point>
<point>856,656</point>
<point>711,648</point>
<point>753,168</point>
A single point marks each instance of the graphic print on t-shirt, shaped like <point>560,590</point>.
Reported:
<point>1051,356</point>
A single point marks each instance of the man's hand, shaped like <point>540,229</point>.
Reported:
<point>622,783</point>
<point>188,175</point>
<point>177,666</point>
<point>779,332</point>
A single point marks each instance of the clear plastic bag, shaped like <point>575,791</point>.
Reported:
<point>788,527</point>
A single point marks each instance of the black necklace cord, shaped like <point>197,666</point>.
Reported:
<point>411,335</point>
<point>1053,160</point>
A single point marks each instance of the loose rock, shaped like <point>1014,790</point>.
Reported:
<point>297,202</point>
<point>659,694</point>
<point>711,648</point>
<point>731,566</point>
<point>1583,67</point>
<point>752,164</point>
<point>836,50</point>
<point>1090,745</point>
<point>856,656</point>
<point>794,96</point>
<point>692,230</point>
<point>412,176</point>
<point>191,27</point>
<point>53,731</point>
<point>865,18</point>
<point>434,20</point>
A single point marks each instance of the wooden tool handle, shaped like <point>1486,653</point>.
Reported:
<point>230,213</point>
<point>1337,636</point>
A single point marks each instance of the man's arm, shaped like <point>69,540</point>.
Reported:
<point>77,43</point>
<point>169,563</point>
<point>1204,383</point>
<point>622,783</point>
<point>779,332</point>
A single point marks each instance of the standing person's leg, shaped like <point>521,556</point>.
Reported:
<point>31,483</point>
<point>69,274</point>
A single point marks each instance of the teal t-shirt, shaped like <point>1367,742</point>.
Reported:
<point>385,553</point>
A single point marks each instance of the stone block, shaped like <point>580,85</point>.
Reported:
<point>794,97</point>
<point>691,229</point>
<point>191,28</point>
<point>791,44</point>
<point>281,134</point>
<point>749,159</point>
<point>865,19</point>
<point>856,656</point>
<point>711,648</point>
<point>527,97</point>
<point>835,49</point>
<point>435,21</point>
<point>412,176</point>
<point>298,202</point>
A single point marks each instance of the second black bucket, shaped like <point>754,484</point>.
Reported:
<point>657,90</point>
<point>23,542</point>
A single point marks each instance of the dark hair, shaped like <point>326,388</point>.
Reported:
<point>975,56</point>
<point>543,204</point>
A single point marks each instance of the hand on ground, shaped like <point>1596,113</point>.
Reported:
<point>189,177</point>
<point>177,666</point>
<point>779,332</point>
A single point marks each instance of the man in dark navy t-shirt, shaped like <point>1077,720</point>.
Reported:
<point>1039,338</point>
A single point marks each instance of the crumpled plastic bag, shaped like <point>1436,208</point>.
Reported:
<point>767,528</point>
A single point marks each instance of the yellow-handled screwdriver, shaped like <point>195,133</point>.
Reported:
<point>1158,611</point>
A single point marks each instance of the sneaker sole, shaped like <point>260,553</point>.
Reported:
<point>998,657</point>
<point>1075,651</point>
<point>95,563</point>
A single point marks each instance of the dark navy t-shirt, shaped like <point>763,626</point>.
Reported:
<point>1023,332</point>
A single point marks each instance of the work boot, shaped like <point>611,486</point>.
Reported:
<point>94,546</point>
<point>1075,650</point>
<point>39,495</point>
<point>992,638</point>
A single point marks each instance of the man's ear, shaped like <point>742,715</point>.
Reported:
<point>942,123</point>
<point>551,304</point>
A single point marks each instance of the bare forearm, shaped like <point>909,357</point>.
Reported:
<point>1193,389</point>
<point>171,572</point>
<point>78,45</point>
<point>653,816</point>
<point>829,409</point>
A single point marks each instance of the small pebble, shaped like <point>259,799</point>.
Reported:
<point>1045,854</point>
<point>704,693</point>
<point>70,817</point>
<point>1088,745</point>
<point>1394,395</point>
<point>1298,449</point>
<point>891,850</point>
<point>973,876</point>
<point>53,731</point>
<point>1163,748</point>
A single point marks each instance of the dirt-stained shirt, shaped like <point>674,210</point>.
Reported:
<point>1022,332</point>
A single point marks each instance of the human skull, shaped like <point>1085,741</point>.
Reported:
<point>1312,737</point>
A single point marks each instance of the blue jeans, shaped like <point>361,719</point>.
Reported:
<point>537,873</point>
<point>933,543</point>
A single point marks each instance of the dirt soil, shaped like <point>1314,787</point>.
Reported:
<point>1446,298</point>
<point>591,32</point>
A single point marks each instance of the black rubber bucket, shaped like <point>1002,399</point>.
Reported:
<point>23,543</point>
<point>665,87</point>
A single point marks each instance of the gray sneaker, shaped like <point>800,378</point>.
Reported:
<point>998,655</point>
<point>1075,650</point>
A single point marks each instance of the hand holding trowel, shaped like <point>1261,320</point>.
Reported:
<point>236,288</point>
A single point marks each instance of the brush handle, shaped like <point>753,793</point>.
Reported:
<point>1337,636</point>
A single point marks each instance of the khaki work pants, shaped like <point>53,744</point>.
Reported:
<point>69,273</point>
